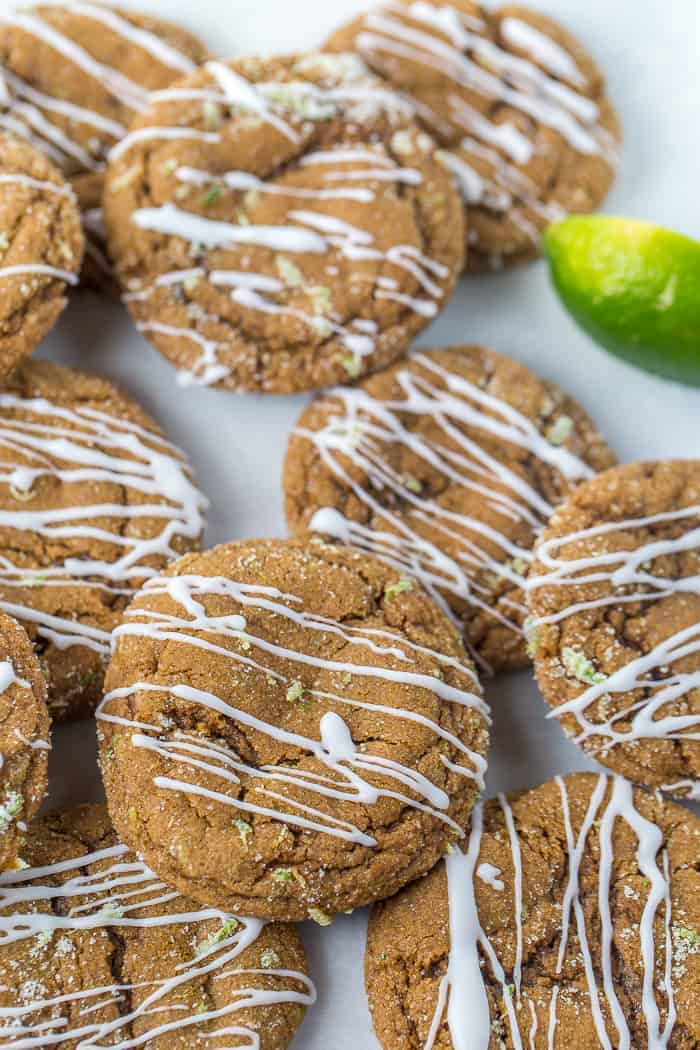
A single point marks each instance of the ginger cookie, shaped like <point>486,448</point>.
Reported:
<point>74,75</point>
<point>289,730</point>
<point>446,466</point>
<point>93,501</point>
<point>570,919</point>
<point>519,105</point>
<point>281,224</point>
<point>24,737</point>
<point>615,630</point>
<point>95,949</point>
<point>41,249</point>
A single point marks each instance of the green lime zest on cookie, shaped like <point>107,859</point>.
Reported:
<point>412,483</point>
<point>400,587</point>
<point>580,667</point>
<point>320,917</point>
<point>283,875</point>
<point>633,287</point>
<point>688,936</point>
<point>295,692</point>
<point>532,636</point>
<point>269,959</point>
<point>223,934</point>
<point>560,431</point>
<point>111,912</point>
<point>244,830</point>
<point>10,810</point>
<point>290,274</point>
<point>352,365</point>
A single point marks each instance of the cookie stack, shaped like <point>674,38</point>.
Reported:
<point>293,729</point>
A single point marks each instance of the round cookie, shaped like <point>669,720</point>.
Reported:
<point>75,74</point>
<point>24,737</point>
<point>570,919</point>
<point>95,949</point>
<point>615,630</point>
<point>518,103</point>
<point>41,249</point>
<point>289,730</point>
<point>93,501</point>
<point>281,224</point>
<point>445,465</point>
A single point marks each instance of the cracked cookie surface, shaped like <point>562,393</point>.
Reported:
<point>446,465</point>
<point>518,103</point>
<point>615,629</point>
<point>93,500</point>
<point>96,948</point>
<point>75,74</point>
<point>24,737</point>
<point>281,224</point>
<point>570,919</point>
<point>290,729</point>
<point>41,249</point>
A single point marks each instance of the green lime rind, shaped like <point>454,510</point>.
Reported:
<point>634,287</point>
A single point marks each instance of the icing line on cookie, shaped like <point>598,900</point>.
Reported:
<point>83,445</point>
<point>462,1002</point>
<point>348,766</point>
<point>116,896</point>
<point>357,432</point>
<point>630,576</point>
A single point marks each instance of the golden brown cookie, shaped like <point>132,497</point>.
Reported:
<point>95,949</point>
<point>41,249</point>
<point>518,103</point>
<point>281,224</point>
<point>289,730</point>
<point>24,737</point>
<point>93,501</point>
<point>445,465</point>
<point>75,74</point>
<point>569,921</point>
<point>615,630</point>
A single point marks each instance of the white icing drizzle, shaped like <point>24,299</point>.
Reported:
<point>416,32</point>
<point>551,1028</point>
<point>38,270</point>
<point>124,894</point>
<point>198,229</point>
<point>130,94</point>
<point>462,1001</point>
<point>351,772</point>
<point>489,874</point>
<point>84,446</point>
<point>305,232</point>
<point>243,180</point>
<point>8,678</point>
<point>506,188</point>
<point>239,93</point>
<point>29,111</point>
<point>542,48</point>
<point>629,576</point>
<point>689,789</point>
<point>152,44</point>
<point>19,179</point>
<point>363,426</point>
<point>154,134</point>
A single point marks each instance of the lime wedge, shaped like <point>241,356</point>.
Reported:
<point>634,287</point>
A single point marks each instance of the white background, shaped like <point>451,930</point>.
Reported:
<point>650,50</point>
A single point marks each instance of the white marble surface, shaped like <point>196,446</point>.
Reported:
<point>650,50</point>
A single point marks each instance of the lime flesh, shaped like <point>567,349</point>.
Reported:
<point>634,287</point>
